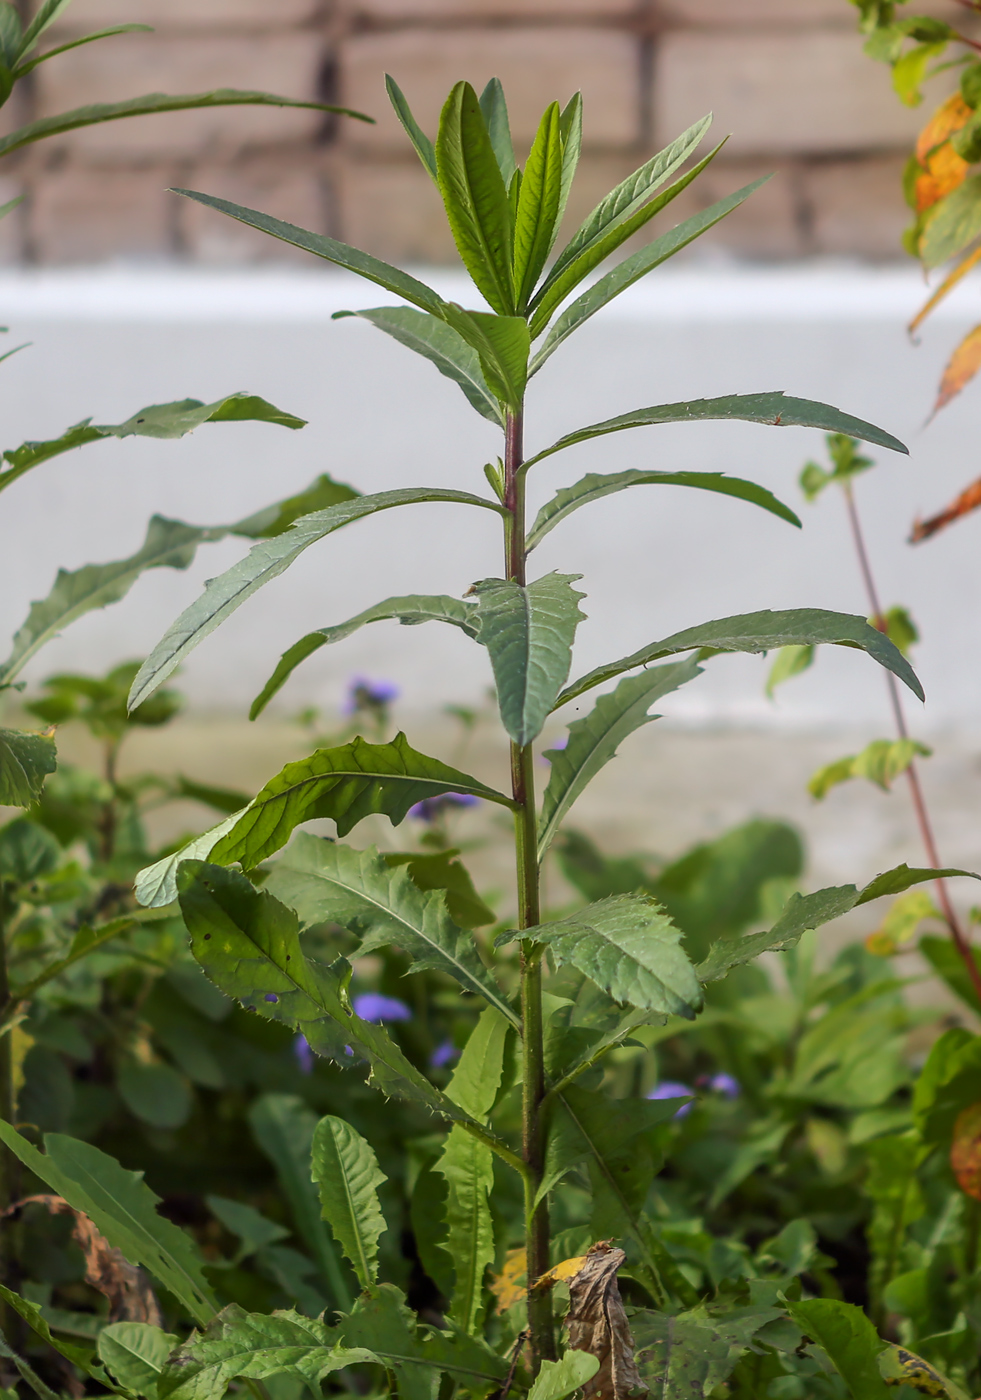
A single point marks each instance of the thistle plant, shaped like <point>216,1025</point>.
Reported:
<point>530,1122</point>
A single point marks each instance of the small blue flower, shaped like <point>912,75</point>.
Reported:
<point>363,694</point>
<point>725,1084</point>
<point>305,1057</point>
<point>373,1006</point>
<point>669,1089</point>
<point>443,1055</point>
<point>430,808</point>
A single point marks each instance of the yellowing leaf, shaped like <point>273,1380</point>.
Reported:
<point>901,922</point>
<point>968,500</point>
<point>961,368</point>
<point>944,171</point>
<point>567,1269</point>
<point>949,117</point>
<point>947,285</point>
<point>505,1286</point>
<point>965,1151</point>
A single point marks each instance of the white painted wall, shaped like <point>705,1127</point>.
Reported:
<point>108,342</point>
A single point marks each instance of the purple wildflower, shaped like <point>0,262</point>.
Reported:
<point>270,996</point>
<point>726,1085</point>
<point>431,808</point>
<point>669,1089</point>
<point>305,1057</point>
<point>444,1053</point>
<point>363,694</point>
<point>373,1006</point>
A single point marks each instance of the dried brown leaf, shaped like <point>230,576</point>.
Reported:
<point>965,1151</point>
<point>131,1299</point>
<point>968,500</point>
<point>598,1324</point>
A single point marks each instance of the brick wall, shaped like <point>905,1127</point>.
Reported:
<point>787,78</point>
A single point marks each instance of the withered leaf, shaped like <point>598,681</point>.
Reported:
<point>961,368</point>
<point>968,500</point>
<point>131,1299</point>
<point>598,1324</point>
<point>965,1151</point>
<point>949,117</point>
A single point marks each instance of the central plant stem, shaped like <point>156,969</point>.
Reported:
<point>526,854</point>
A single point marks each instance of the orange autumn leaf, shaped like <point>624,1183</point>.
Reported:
<point>949,117</point>
<point>947,285</point>
<point>945,170</point>
<point>961,368</point>
<point>968,500</point>
<point>965,1151</point>
<point>567,1269</point>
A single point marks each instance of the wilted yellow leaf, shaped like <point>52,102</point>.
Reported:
<point>505,1287</point>
<point>965,1151</point>
<point>949,282</point>
<point>944,171</point>
<point>567,1269</point>
<point>949,117</point>
<point>961,368</point>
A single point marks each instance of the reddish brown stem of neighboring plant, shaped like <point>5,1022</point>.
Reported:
<point>961,941</point>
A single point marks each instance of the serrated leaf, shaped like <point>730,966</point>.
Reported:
<point>393,279</point>
<point>345,784</point>
<point>409,610</point>
<point>809,911</point>
<point>626,273</point>
<point>440,870</point>
<point>123,1208</point>
<point>536,218</point>
<point>850,1341</point>
<point>775,409</point>
<point>593,740</point>
<point>347,1174</point>
<point>25,761</point>
<point>248,944</point>
<point>629,947</point>
<point>324,880</point>
<point>439,343</point>
<point>266,561</point>
<point>475,197</point>
<point>502,343</point>
<point>135,1353</point>
<point>559,1379</point>
<point>528,631</point>
<point>762,631</point>
<point>468,1168</point>
<point>422,145</point>
<point>597,485</point>
<point>255,1346</point>
<point>151,103</point>
<point>283,1127</point>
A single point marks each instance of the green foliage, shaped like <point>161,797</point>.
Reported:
<point>25,762</point>
<point>847,462</point>
<point>881,762</point>
<point>559,1379</point>
<point>348,1176</point>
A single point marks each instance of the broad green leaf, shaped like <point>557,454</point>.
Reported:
<point>880,762</point>
<point>536,220</point>
<point>169,544</point>
<point>80,1356</point>
<point>440,870</point>
<point>284,1128</point>
<point>156,885</point>
<point>393,279</point>
<point>422,145</point>
<point>849,1339</point>
<point>776,409</point>
<point>326,881</point>
<point>624,210</point>
<point>570,128</point>
<point>809,911</point>
<point>947,963</point>
<point>439,343</point>
<point>25,762</point>
<point>468,1168</point>
<point>629,947</point>
<point>381,1322</point>
<point>265,561</point>
<point>762,631</point>
<point>790,661</point>
<point>152,103</point>
<point>135,1353</point>
<point>475,197</point>
<point>409,610</point>
<point>626,273</point>
<point>593,740</point>
<point>346,784</point>
<point>952,224</point>
<point>122,1208</point>
<point>256,1347</point>
<point>273,520</point>
<point>502,343</point>
<point>597,485</point>
<point>347,1174</point>
<point>495,110</point>
<point>559,1379</point>
<point>528,631</point>
<point>248,944</point>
